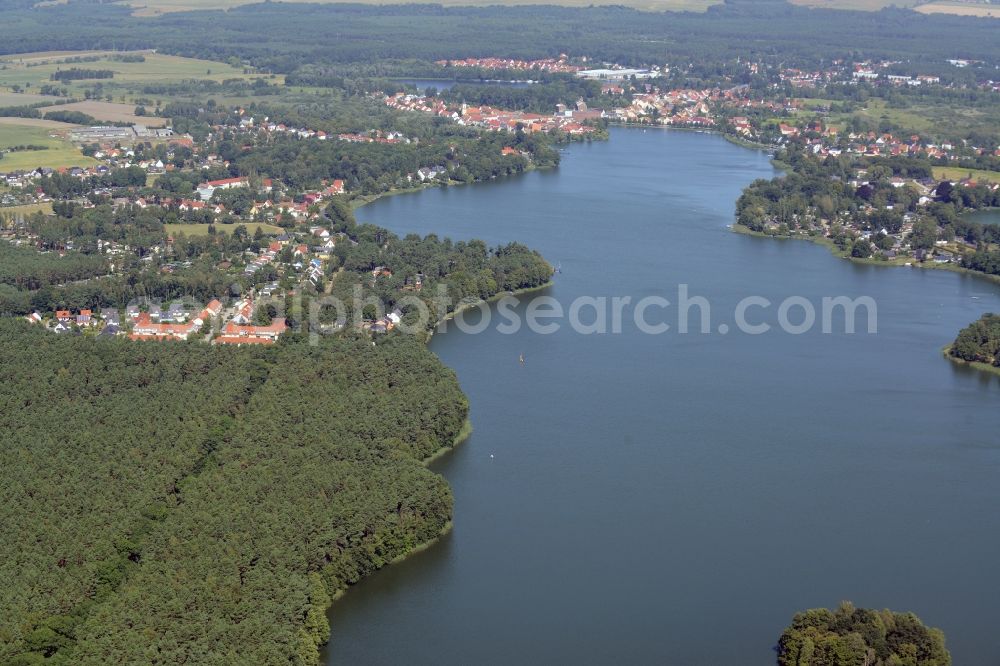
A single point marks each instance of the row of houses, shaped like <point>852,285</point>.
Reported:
<point>498,120</point>
<point>560,64</point>
<point>156,325</point>
<point>248,125</point>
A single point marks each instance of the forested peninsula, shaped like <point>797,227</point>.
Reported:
<point>978,344</point>
<point>214,498</point>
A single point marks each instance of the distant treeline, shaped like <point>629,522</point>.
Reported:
<point>20,111</point>
<point>282,37</point>
<point>74,117</point>
<point>27,147</point>
<point>76,74</point>
<point>336,75</point>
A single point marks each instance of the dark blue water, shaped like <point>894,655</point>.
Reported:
<point>447,84</point>
<point>677,498</point>
<point>985,216</point>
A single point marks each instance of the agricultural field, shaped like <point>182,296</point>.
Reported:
<point>112,112</point>
<point>202,229</point>
<point>860,5</point>
<point>159,7</point>
<point>42,56</point>
<point>30,71</point>
<point>969,8</point>
<point>959,173</point>
<point>23,131</point>
<point>23,99</point>
<point>961,8</point>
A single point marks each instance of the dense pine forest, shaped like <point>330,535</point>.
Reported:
<point>28,269</point>
<point>213,498</point>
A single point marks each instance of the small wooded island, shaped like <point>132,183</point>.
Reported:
<point>979,344</point>
<point>850,636</point>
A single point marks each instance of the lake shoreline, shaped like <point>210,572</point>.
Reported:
<point>464,432</point>
<point>460,437</point>
<point>363,200</point>
<point>462,307</point>
<point>822,241</point>
<point>735,140</point>
<point>374,627</point>
<point>975,365</point>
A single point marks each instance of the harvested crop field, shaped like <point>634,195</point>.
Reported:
<point>111,112</point>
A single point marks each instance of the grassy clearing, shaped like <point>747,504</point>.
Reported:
<point>959,173</point>
<point>935,120</point>
<point>202,229</point>
<point>877,110</point>
<point>27,209</point>
<point>813,102</point>
<point>20,131</point>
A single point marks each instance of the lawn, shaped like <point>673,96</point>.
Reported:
<point>24,131</point>
<point>959,173</point>
<point>202,229</point>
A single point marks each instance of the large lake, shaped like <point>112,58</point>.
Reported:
<point>985,216</point>
<point>677,498</point>
<point>447,84</point>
